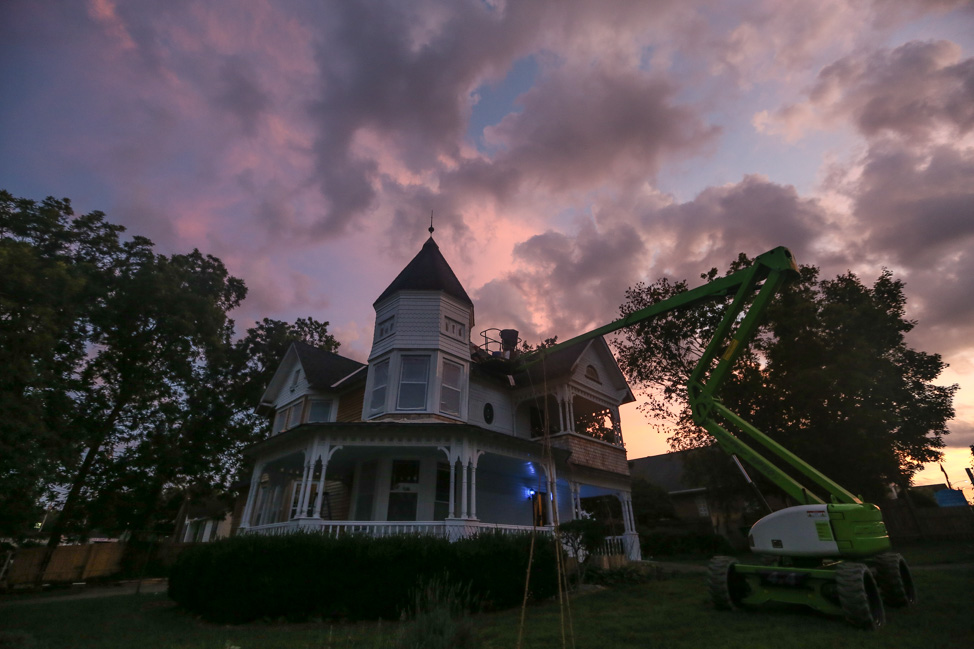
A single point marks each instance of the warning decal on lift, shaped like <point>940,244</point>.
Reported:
<point>824,530</point>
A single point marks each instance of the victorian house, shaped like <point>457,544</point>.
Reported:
<point>443,431</point>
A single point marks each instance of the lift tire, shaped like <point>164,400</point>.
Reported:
<point>727,588</point>
<point>895,580</point>
<point>859,596</point>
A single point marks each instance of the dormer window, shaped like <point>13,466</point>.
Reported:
<point>454,328</point>
<point>385,328</point>
<point>412,383</point>
<point>592,374</point>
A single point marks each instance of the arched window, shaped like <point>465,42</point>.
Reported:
<point>592,374</point>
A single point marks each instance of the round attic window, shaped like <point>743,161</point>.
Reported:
<point>488,413</point>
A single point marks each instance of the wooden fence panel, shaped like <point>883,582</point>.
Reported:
<point>933,523</point>
<point>105,559</point>
<point>69,563</point>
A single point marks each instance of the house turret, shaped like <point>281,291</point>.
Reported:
<point>419,366</point>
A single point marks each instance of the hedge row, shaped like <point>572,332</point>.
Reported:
<point>683,544</point>
<point>300,576</point>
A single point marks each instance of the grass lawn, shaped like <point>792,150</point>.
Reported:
<point>674,613</point>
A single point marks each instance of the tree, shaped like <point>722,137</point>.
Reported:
<point>122,378</point>
<point>829,376</point>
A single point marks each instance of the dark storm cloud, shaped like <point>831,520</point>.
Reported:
<point>751,216</point>
<point>240,94</point>
<point>918,205</point>
<point>581,128</point>
<point>411,89</point>
<point>407,77</point>
<point>914,91</point>
<point>577,280</point>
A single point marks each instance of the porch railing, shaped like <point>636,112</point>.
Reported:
<point>452,529</point>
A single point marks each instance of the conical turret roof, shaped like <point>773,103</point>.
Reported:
<point>428,271</point>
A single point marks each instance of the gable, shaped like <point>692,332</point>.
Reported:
<point>305,366</point>
<point>597,369</point>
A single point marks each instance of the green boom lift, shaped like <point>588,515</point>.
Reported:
<point>832,556</point>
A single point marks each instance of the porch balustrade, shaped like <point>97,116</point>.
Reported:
<point>452,529</point>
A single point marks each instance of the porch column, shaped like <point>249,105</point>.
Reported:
<point>571,412</point>
<point>552,480</point>
<point>324,454</point>
<point>473,484</point>
<point>301,511</point>
<point>562,407</point>
<point>616,424</point>
<point>463,489</point>
<point>252,494</point>
<point>453,488</point>
<point>576,501</point>
<point>626,511</point>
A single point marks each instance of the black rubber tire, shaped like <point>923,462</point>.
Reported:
<point>727,588</point>
<point>859,596</point>
<point>895,580</point>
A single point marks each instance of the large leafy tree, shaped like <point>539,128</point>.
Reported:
<point>830,376</point>
<point>122,379</point>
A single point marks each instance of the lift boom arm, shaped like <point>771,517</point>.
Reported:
<point>762,280</point>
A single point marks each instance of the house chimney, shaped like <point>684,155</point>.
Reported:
<point>509,342</point>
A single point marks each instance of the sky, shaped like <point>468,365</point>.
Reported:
<point>567,150</point>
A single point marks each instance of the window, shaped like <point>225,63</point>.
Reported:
<point>385,328</point>
<point>592,374</point>
<point>320,410</point>
<point>451,391</point>
<point>294,380</point>
<point>454,328</point>
<point>379,383</point>
<point>294,414</point>
<point>412,383</point>
<point>403,490</point>
<point>280,421</point>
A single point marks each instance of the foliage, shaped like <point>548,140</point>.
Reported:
<point>584,537</point>
<point>440,617</point>
<point>829,375</point>
<point>683,544</point>
<point>245,578</point>
<point>122,379</point>
<point>628,574</point>
<point>674,613</point>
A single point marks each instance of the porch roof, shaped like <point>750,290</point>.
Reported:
<point>392,433</point>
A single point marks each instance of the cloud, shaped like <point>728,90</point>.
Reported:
<point>576,281</point>
<point>920,91</point>
<point>240,94</point>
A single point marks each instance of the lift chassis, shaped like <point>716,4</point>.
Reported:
<point>832,556</point>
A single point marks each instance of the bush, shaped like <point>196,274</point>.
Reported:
<point>683,544</point>
<point>300,576</point>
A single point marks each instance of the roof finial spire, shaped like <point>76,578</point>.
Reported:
<point>431,223</point>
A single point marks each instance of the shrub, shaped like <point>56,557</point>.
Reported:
<point>685,544</point>
<point>298,576</point>
<point>440,618</point>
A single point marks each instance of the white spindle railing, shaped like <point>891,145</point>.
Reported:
<point>453,529</point>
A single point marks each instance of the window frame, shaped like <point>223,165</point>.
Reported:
<point>311,406</point>
<point>458,389</point>
<point>404,360</point>
<point>382,367</point>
